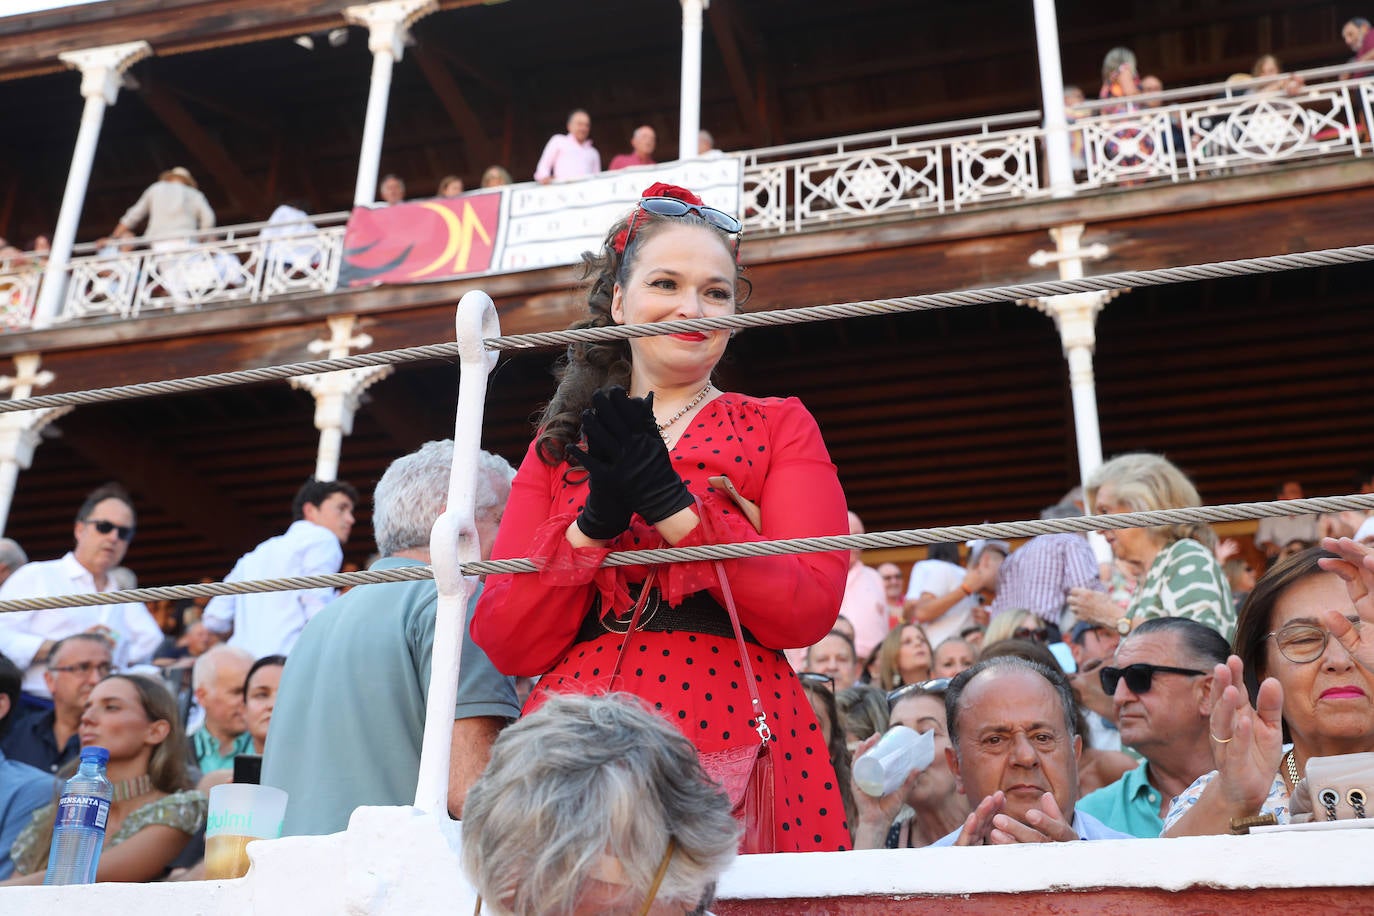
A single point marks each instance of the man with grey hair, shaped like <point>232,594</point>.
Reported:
<point>217,683</point>
<point>1014,749</point>
<point>12,557</point>
<point>368,655</point>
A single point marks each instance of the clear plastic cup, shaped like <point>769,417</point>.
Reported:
<point>238,815</point>
<point>886,765</point>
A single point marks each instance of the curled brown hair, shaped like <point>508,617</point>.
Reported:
<point>589,367</point>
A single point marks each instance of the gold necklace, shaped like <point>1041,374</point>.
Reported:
<point>663,427</point>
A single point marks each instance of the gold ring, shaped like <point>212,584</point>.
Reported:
<point>1223,740</point>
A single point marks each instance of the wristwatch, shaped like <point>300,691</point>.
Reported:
<point>1123,626</point>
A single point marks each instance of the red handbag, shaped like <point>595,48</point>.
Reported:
<point>744,772</point>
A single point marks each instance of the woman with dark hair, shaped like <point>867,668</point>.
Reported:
<point>1305,668</point>
<point>824,705</point>
<point>639,449</point>
<point>154,814</point>
<point>260,697</point>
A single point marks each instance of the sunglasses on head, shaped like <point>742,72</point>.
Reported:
<point>934,686</point>
<point>1139,677</point>
<point>125,532</point>
<point>1034,635</point>
<point>672,208</point>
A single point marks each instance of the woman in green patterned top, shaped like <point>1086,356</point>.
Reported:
<point>1177,570</point>
<point>154,813</point>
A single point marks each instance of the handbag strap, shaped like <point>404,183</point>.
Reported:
<point>640,603</point>
<point>760,716</point>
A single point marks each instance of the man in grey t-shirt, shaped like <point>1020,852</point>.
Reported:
<point>350,711</point>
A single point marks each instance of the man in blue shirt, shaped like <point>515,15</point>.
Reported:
<point>1013,730</point>
<point>23,789</point>
<point>1161,684</point>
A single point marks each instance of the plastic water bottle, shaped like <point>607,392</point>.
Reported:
<point>79,831</point>
<point>883,769</point>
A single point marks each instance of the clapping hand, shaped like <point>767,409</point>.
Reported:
<point>623,436</point>
<point>1355,567</point>
<point>1247,741</point>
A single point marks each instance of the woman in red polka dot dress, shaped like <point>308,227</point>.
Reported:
<point>617,471</point>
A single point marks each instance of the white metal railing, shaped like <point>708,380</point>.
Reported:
<point>243,263</point>
<point>1178,135</point>
<point>1187,134</point>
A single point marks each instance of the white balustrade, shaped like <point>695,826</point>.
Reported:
<point>1187,134</point>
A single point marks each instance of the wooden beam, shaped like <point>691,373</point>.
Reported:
<point>465,120</point>
<point>722,17</point>
<point>154,470</point>
<point>169,110</point>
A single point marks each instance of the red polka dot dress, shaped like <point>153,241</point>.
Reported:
<point>529,623</point>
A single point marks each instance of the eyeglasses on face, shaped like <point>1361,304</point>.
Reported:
<point>1301,643</point>
<point>1031,633</point>
<point>820,680</point>
<point>85,668</point>
<point>673,208</point>
<point>934,686</point>
<point>124,532</point>
<point>1139,677</point>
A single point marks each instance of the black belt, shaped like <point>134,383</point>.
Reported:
<point>698,613</point>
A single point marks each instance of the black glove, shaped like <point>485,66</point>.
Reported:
<point>605,514</point>
<point>624,428</point>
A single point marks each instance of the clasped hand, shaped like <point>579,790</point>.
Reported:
<point>628,466</point>
<point>990,825</point>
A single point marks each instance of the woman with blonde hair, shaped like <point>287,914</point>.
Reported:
<point>1179,575</point>
<point>904,657</point>
<point>154,813</point>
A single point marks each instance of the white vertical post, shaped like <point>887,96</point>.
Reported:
<point>20,430</point>
<point>689,108</point>
<point>102,69</point>
<point>337,394</point>
<point>452,543</point>
<point>1052,101</point>
<point>388,24</point>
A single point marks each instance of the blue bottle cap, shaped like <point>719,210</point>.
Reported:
<point>99,755</point>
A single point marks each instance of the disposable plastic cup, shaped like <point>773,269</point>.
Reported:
<point>239,814</point>
<point>886,765</point>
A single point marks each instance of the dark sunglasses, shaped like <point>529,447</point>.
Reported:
<point>125,532</point>
<point>815,677</point>
<point>1032,635</point>
<point>934,686</point>
<point>673,208</point>
<point>1139,677</point>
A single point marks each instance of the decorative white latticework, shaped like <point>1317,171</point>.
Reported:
<point>18,295</point>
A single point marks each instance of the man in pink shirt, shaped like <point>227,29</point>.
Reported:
<point>865,602</point>
<point>644,141</point>
<point>569,155</point>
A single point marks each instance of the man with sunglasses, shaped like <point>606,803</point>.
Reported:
<point>103,530</point>
<point>1161,684</point>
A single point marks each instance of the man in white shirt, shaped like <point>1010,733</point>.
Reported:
<point>104,527</point>
<point>268,623</point>
<point>944,598</point>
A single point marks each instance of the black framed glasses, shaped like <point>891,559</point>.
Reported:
<point>672,208</point>
<point>124,532</point>
<point>817,679</point>
<point>1301,643</point>
<point>1032,634</point>
<point>933,686</point>
<point>84,668</point>
<point>1139,677</point>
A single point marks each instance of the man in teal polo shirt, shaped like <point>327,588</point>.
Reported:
<point>1161,684</point>
<point>350,712</point>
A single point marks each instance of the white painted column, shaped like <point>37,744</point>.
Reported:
<point>102,70</point>
<point>337,393</point>
<point>1052,101</point>
<point>20,430</point>
<point>388,25</point>
<point>689,108</point>
<point>1075,315</point>
<point>453,541</point>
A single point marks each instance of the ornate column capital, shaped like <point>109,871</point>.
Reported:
<point>388,22</point>
<point>102,69</point>
<point>20,431</point>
